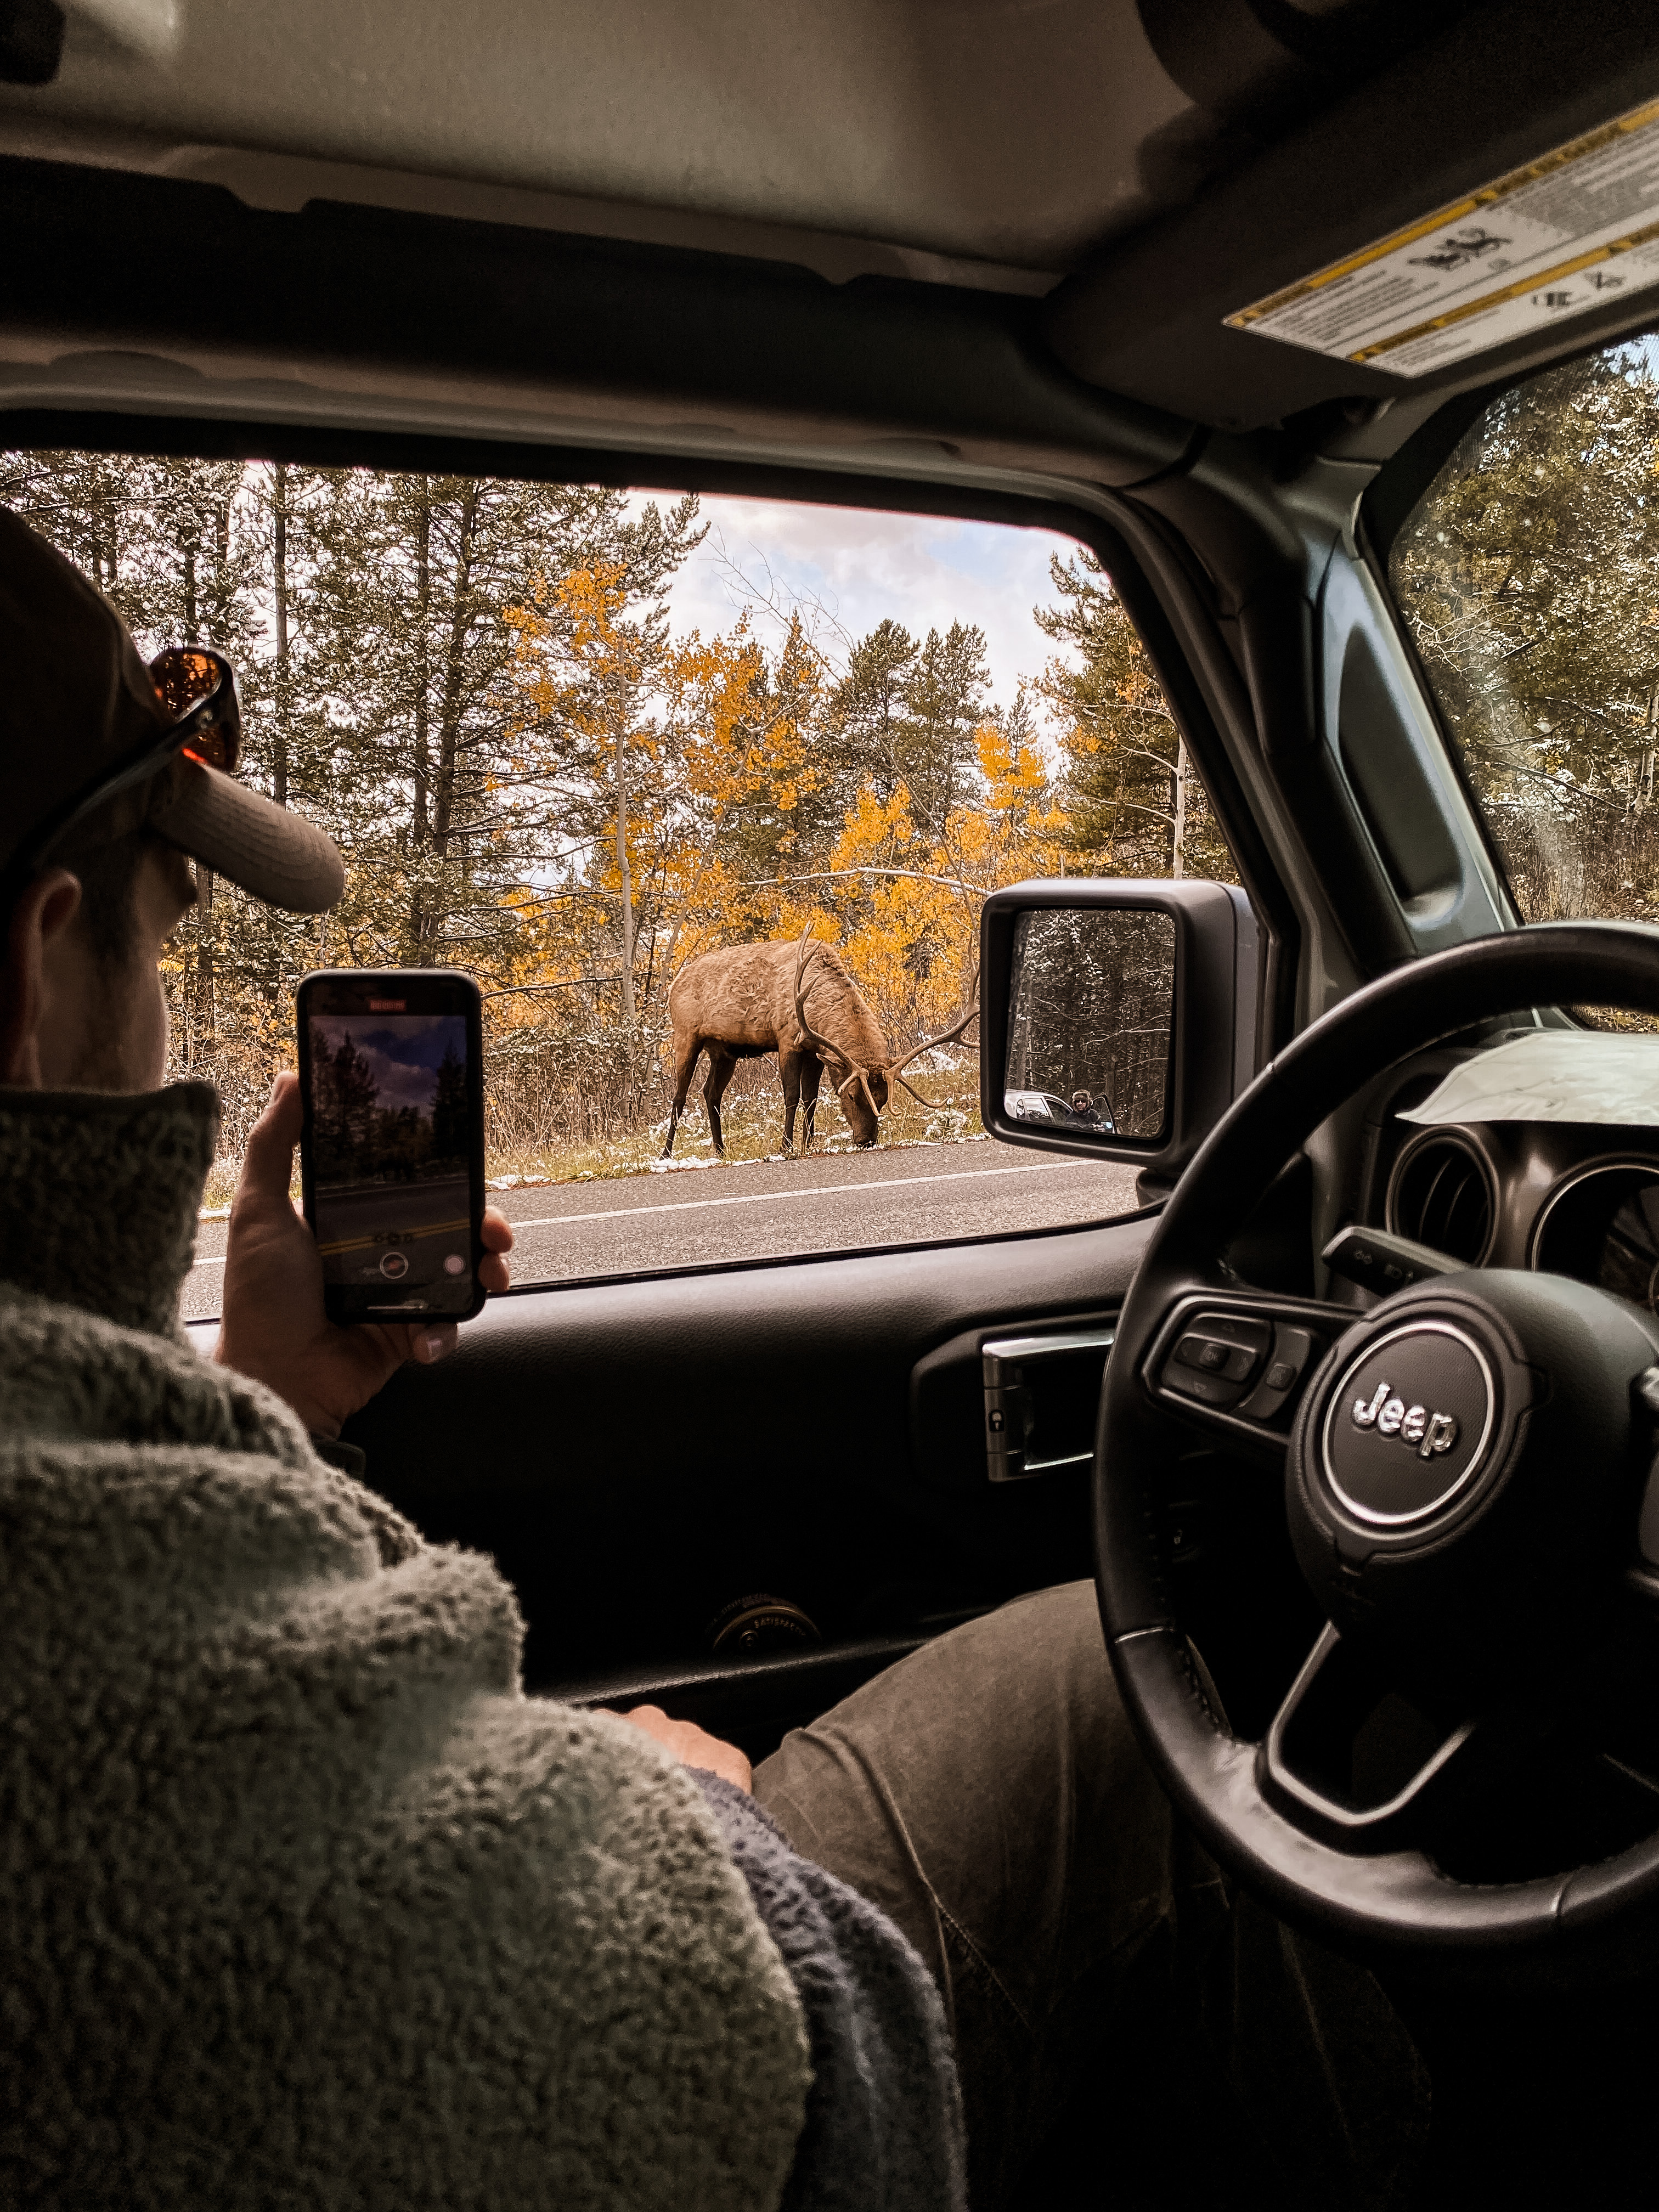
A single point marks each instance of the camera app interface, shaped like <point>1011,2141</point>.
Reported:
<point>390,1154</point>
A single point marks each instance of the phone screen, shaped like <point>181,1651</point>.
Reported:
<point>391,1153</point>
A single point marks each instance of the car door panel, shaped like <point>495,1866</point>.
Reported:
<point>636,1454</point>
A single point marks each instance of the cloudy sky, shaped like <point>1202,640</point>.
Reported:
<point>403,1050</point>
<point>924,571</point>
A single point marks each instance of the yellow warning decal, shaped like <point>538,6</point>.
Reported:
<point>1570,230</point>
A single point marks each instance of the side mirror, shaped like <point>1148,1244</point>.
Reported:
<point>1118,1018</point>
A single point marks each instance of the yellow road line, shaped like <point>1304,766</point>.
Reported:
<point>393,1243</point>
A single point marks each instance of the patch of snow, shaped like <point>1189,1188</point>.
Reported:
<point>214,1213</point>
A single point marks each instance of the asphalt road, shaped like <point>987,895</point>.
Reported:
<point>749,1210</point>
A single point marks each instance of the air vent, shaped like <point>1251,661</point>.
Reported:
<point>1443,1195</point>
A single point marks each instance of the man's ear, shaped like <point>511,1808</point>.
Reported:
<point>40,916</point>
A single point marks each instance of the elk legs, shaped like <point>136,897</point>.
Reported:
<point>721,1066</point>
<point>683,1071</point>
<point>799,1073</point>
<point>810,1075</point>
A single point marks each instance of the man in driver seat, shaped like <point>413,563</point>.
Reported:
<point>304,1901</point>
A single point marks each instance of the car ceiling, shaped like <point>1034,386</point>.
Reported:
<point>1132,170</point>
<point>905,132</point>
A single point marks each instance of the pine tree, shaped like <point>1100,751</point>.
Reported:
<point>945,698</point>
<point>450,1115</point>
<point>867,717</point>
<point>1134,803</point>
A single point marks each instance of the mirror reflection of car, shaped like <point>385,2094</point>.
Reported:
<point>1036,1106</point>
<point>1047,1106</point>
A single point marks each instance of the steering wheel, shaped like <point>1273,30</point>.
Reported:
<point>1465,1469</point>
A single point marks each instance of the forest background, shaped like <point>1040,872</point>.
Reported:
<point>1529,573</point>
<point>475,686</point>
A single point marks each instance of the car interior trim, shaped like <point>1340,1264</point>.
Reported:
<point>1587,1171</point>
<point>1465,1140</point>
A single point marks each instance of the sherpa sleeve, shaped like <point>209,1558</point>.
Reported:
<point>302,1902</point>
<point>883,2129</point>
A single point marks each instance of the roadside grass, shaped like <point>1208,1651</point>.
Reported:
<point>751,1122</point>
<point>752,1127</point>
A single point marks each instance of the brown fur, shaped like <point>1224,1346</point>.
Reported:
<point>739,1003</point>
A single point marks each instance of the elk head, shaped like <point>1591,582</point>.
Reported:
<point>864,1091</point>
<point>856,1087</point>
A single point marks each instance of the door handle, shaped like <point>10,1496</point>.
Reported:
<point>1013,1369</point>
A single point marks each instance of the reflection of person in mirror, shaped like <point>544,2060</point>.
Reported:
<point>1093,1113</point>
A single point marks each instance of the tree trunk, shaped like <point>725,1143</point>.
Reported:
<point>1178,813</point>
<point>422,671</point>
<point>279,585</point>
<point>449,724</point>
<point>222,585</point>
<point>420,830</point>
<point>626,879</point>
<point>207,1025</point>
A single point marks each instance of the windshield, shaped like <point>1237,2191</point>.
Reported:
<point>1529,573</point>
<point>576,740</point>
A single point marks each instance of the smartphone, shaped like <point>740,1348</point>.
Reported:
<point>391,1150</point>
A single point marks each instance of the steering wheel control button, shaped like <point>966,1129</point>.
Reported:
<point>1407,1426</point>
<point>1293,1353</point>
<point>1217,1357</point>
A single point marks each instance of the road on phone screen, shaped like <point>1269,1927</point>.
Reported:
<point>752,1209</point>
<point>360,1221</point>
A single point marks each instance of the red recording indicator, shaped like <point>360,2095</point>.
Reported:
<point>387,1005</point>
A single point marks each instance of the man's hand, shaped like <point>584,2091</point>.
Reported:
<point>690,1745</point>
<point>273,1327</point>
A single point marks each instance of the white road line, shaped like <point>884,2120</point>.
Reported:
<point>760,1197</point>
<point>763,1197</point>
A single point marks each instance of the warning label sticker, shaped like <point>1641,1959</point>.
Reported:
<point>1571,230</point>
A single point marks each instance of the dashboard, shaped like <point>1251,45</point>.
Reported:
<point>1542,1151</point>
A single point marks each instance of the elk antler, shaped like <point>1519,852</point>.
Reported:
<point>894,1068</point>
<point>825,1050</point>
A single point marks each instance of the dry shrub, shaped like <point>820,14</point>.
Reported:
<point>544,1088</point>
<point>240,1058</point>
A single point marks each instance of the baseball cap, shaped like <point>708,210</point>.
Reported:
<point>77,702</point>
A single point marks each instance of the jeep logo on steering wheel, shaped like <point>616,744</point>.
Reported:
<point>1433,1434</point>
<point>1425,1384</point>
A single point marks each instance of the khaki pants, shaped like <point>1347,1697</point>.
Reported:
<point>987,1793</point>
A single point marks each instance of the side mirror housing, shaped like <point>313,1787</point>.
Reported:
<point>1118,1017</point>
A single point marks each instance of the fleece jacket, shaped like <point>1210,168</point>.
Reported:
<point>883,2118</point>
<point>302,1902</point>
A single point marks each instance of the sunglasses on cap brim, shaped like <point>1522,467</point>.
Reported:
<point>196,689</point>
<point>197,692</point>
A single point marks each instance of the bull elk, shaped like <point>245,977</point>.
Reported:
<point>746,1001</point>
